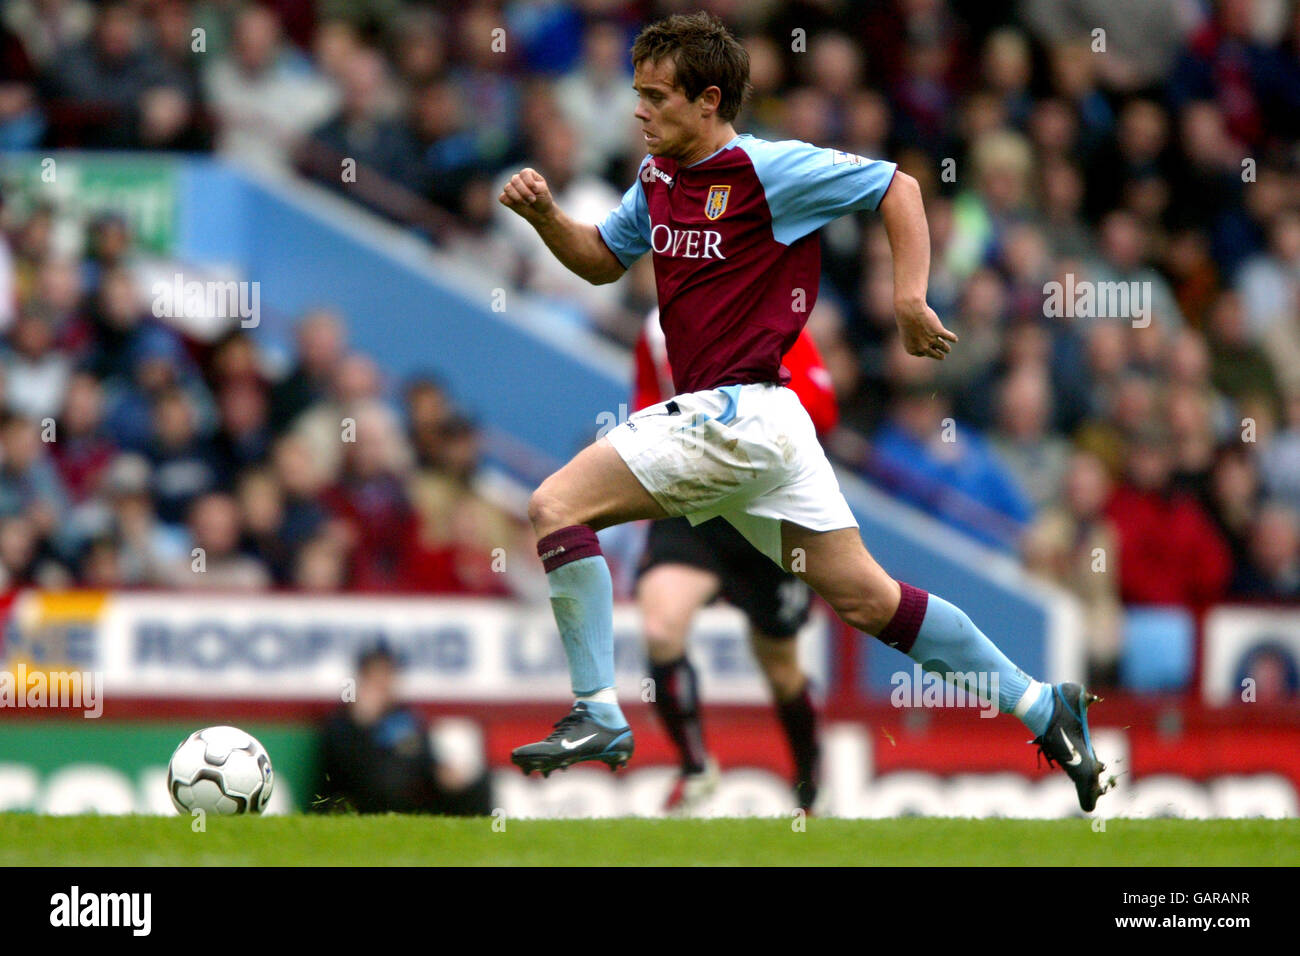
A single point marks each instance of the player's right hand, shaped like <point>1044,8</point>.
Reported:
<point>922,331</point>
<point>527,194</point>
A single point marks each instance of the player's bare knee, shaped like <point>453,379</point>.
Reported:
<point>546,511</point>
<point>866,611</point>
<point>665,633</point>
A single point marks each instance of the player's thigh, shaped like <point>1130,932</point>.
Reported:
<point>669,596</point>
<point>837,565</point>
<point>595,488</point>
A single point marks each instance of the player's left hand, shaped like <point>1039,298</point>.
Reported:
<point>923,334</point>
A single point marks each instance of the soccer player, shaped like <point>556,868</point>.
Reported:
<point>684,568</point>
<point>732,223</point>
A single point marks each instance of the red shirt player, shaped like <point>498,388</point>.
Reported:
<point>809,377</point>
<point>684,567</point>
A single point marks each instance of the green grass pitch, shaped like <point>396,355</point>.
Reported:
<point>32,840</point>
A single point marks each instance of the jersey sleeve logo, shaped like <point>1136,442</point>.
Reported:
<point>839,156</point>
<point>716,203</point>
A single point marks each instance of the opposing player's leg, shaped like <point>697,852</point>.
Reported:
<point>943,639</point>
<point>593,491</point>
<point>778,658</point>
<point>669,595</point>
<point>777,605</point>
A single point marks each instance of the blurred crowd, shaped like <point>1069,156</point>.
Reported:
<point>1151,457</point>
<point>133,455</point>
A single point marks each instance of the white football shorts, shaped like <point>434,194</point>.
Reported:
<point>747,453</point>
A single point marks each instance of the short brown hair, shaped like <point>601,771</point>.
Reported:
<point>704,53</point>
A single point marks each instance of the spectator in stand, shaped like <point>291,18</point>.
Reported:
<point>1272,572</point>
<point>1269,285</point>
<point>264,96</point>
<point>82,450</point>
<point>24,559</point>
<point>1022,437</point>
<point>428,411</point>
<point>157,362</point>
<point>923,94</point>
<point>481,244</point>
<point>1122,258</point>
<point>1234,495</point>
<point>950,472</point>
<point>22,122</point>
<point>1007,71</point>
<point>101,567</point>
<point>215,562</point>
<point>445,154</point>
<point>1076,545</point>
<point>1192,439</point>
<point>376,756</point>
<point>491,89</point>
<point>145,545</point>
<point>354,390</point>
<point>261,506</point>
<point>462,536</point>
<point>420,40</point>
<point>57,291</point>
<point>321,566</point>
<point>172,110</point>
<point>597,100</point>
<point>1239,368</point>
<point>585,198</point>
<point>322,342</point>
<point>30,487</point>
<point>243,439</point>
<point>116,316</point>
<point>303,486</point>
<point>1170,551</point>
<point>371,500</point>
<point>366,130</point>
<point>1144,41</point>
<point>184,464</point>
<point>96,86</point>
<point>1279,455</point>
<point>35,371</point>
<point>47,28</point>
<point>1002,169</point>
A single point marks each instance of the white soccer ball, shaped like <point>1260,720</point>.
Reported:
<point>220,770</point>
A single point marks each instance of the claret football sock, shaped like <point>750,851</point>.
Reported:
<point>582,598</point>
<point>942,638</point>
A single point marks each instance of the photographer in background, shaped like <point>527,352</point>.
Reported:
<point>376,756</point>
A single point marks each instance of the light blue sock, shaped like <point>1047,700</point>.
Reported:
<point>582,597</point>
<point>949,642</point>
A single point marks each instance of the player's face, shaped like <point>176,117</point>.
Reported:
<point>671,124</point>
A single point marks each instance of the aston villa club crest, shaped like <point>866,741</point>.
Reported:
<point>716,203</point>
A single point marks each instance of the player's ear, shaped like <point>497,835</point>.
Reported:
<point>709,99</point>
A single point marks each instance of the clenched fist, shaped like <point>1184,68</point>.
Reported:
<point>528,195</point>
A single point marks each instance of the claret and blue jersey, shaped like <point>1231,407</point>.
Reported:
<point>737,261</point>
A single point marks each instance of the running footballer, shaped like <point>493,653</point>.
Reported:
<point>731,222</point>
